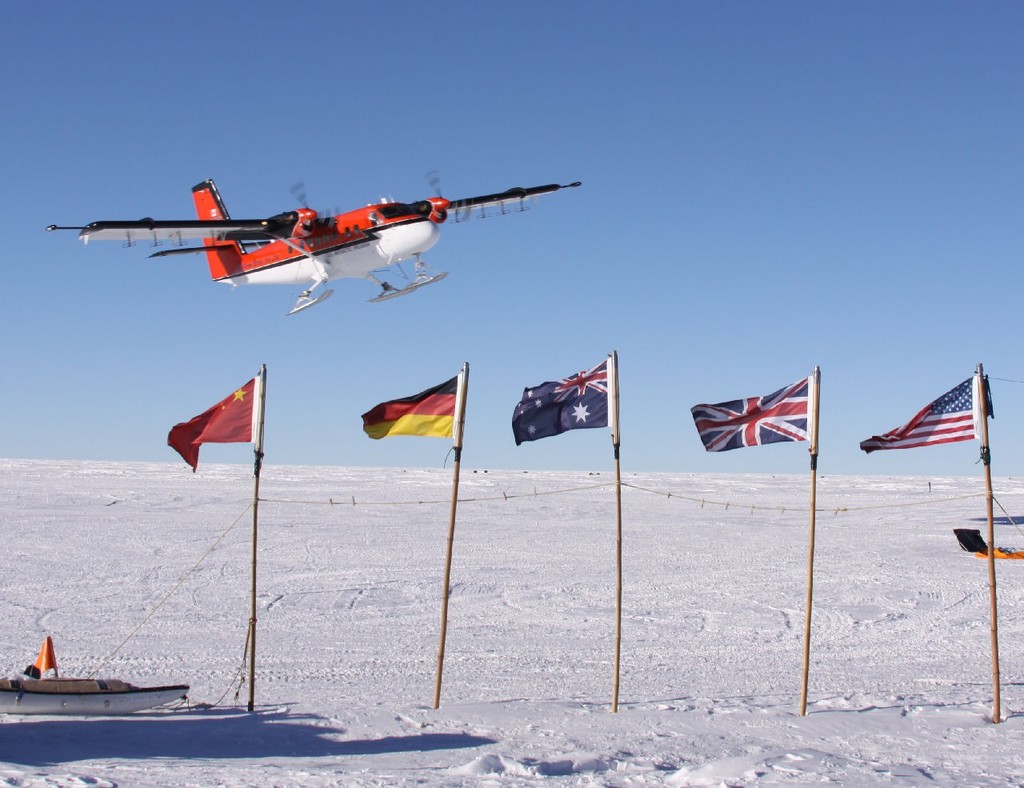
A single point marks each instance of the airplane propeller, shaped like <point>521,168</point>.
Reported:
<point>298,191</point>
<point>433,179</point>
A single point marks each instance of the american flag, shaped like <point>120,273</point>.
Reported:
<point>948,419</point>
<point>575,402</point>
<point>780,417</point>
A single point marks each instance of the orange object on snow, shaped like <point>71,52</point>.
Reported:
<point>47,660</point>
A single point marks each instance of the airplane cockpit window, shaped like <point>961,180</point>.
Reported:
<point>394,209</point>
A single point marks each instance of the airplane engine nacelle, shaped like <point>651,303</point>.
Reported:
<point>439,209</point>
<point>304,224</point>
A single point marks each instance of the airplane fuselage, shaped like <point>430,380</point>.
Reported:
<point>353,245</point>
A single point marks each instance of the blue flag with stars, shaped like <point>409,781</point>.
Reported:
<point>576,402</point>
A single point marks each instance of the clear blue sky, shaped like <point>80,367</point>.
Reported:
<point>766,187</point>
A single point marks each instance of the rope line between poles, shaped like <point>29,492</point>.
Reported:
<point>169,594</point>
<point>702,502</point>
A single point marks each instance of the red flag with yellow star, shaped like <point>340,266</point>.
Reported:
<point>229,421</point>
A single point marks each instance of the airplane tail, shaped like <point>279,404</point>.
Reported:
<point>223,257</point>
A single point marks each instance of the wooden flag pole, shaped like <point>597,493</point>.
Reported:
<point>259,412</point>
<point>813,407</point>
<point>457,430</point>
<point>980,391</point>
<point>613,422</point>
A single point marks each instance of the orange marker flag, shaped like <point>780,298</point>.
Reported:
<point>47,660</point>
<point>229,421</point>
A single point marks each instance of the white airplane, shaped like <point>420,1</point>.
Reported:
<point>301,247</point>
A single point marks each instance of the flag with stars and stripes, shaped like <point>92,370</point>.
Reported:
<point>779,417</point>
<point>955,416</point>
<point>576,402</point>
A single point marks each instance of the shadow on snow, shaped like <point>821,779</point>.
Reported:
<point>1015,520</point>
<point>200,735</point>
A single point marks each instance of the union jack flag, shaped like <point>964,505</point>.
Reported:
<point>780,417</point>
<point>576,402</point>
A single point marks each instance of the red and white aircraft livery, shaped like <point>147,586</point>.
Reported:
<point>301,247</point>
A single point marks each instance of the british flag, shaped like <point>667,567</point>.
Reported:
<point>780,417</point>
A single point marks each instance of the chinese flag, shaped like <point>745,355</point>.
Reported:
<point>229,421</point>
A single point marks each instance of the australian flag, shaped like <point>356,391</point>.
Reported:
<point>573,403</point>
<point>781,416</point>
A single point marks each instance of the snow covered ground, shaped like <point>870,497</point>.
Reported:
<point>124,565</point>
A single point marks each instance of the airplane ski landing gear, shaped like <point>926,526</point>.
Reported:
<point>306,299</point>
<point>390,291</point>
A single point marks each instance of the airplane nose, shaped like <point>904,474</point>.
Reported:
<point>399,243</point>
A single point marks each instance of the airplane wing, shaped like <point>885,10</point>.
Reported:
<point>512,199</point>
<point>153,231</point>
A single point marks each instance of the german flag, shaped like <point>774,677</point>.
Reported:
<point>430,413</point>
